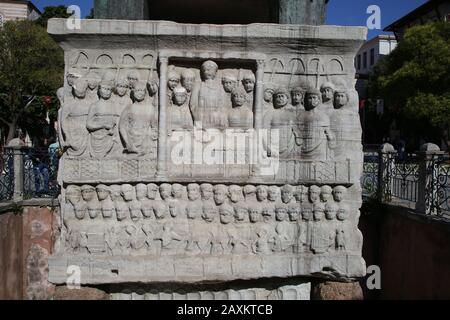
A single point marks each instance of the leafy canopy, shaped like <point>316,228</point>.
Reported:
<point>416,75</point>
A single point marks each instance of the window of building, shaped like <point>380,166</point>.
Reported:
<point>372,56</point>
<point>359,62</point>
<point>365,60</point>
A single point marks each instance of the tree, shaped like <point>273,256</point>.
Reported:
<point>31,68</point>
<point>52,12</point>
<point>414,80</point>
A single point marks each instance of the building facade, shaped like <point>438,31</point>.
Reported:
<point>368,56</point>
<point>433,10</point>
<point>17,9</point>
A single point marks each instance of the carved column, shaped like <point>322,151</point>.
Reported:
<point>259,94</point>
<point>162,137</point>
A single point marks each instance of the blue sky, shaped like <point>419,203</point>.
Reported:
<point>340,12</point>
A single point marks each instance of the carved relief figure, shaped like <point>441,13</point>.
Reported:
<point>93,80</point>
<point>339,193</point>
<point>160,208</point>
<point>122,96</point>
<point>281,118</point>
<point>133,79</point>
<point>179,113</point>
<point>90,197</point>
<point>136,123</point>
<point>241,115</point>
<point>173,81</point>
<point>122,209</point>
<point>248,82</point>
<point>207,100</point>
<point>188,80</point>
<point>106,203</point>
<point>102,122</point>
<point>74,117</point>
<point>269,91</point>
<point>73,197</point>
<point>229,83</point>
<point>315,134</point>
<point>327,91</point>
<point>298,98</point>
<point>194,206</point>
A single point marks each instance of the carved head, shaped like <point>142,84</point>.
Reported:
<point>340,99</point>
<point>80,87</point>
<point>273,193</point>
<point>268,214</point>
<point>235,193</point>
<point>93,80</point>
<point>177,191</point>
<point>128,192</point>
<point>88,193</point>
<point>105,89</point>
<point>269,91</point>
<point>314,194</point>
<point>330,212</point>
<point>240,213</point>
<point>254,214</point>
<point>281,97</point>
<point>207,191</point>
<point>209,213</point>
<point>294,213</point>
<point>226,214</point>
<point>141,191</point>
<point>71,77</point>
<point>209,70</point>
<point>121,88</point>
<point>339,193</point>
<point>165,191</point>
<point>248,81</point>
<point>173,79</point>
<point>73,194</point>
<point>238,97</point>
<point>220,194</point>
<point>188,79</point>
<point>261,193</point>
<point>103,192</point>
<point>249,191</point>
<point>327,90</point>
<point>297,96</point>
<point>326,193</point>
<point>281,213</point>
<point>301,194</point>
<point>152,87</point>
<point>133,78</point>
<point>139,92</point>
<point>319,214</point>
<point>116,192</point>
<point>193,190</point>
<point>152,191</point>
<point>312,99</point>
<point>179,96</point>
<point>287,193</point>
<point>229,82</point>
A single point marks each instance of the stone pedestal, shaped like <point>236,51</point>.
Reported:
<point>208,153</point>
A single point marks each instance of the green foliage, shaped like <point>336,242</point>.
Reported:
<point>31,67</point>
<point>52,12</point>
<point>414,79</point>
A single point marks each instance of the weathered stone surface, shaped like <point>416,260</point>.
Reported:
<point>208,153</point>
<point>84,293</point>
<point>337,291</point>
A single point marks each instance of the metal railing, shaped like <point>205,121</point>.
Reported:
<point>420,181</point>
<point>6,174</point>
<point>28,173</point>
